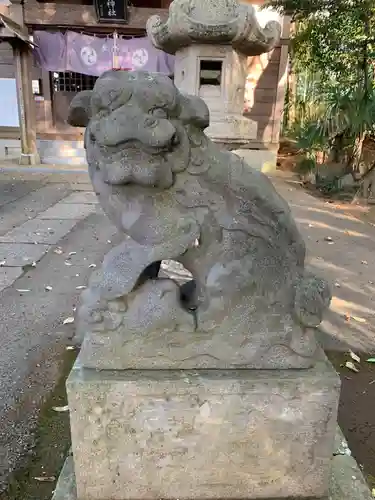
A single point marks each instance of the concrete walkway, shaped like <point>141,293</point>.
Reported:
<point>52,230</point>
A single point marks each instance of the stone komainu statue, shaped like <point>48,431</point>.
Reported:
<point>176,195</point>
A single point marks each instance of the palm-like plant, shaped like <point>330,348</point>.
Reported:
<point>336,121</point>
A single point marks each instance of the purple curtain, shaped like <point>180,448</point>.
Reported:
<point>139,53</point>
<point>89,55</point>
<point>92,55</point>
<point>51,51</point>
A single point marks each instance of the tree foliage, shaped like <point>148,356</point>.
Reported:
<point>333,56</point>
<point>335,38</point>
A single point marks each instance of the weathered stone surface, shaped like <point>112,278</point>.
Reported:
<point>346,482</point>
<point>208,434</point>
<point>213,21</point>
<point>261,344</point>
<point>66,485</point>
<point>79,109</point>
<point>225,101</point>
<point>176,195</point>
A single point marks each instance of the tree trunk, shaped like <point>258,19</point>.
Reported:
<point>337,148</point>
<point>291,94</point>
<point>357,155</point>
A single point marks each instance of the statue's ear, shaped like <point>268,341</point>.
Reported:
<point>80,109</point>
<point>194,111</point>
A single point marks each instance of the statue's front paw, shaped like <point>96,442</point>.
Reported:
<point>114,315</point>
<point>313,297</point>
<point>88,318</point>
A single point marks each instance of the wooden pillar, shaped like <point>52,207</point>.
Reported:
<point>280,94</point>
<point>26,108</point>
<point>282,80</point>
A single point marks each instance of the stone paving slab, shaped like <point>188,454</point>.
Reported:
<point>20,254</point>
<point>50,175</point>
<point>33,336</point>
<point>12,189</point>
<point>48,231</point>
<point>81,186</point>
<point>27,207</point>
<point>82,197</point>
<point>65,211</point>
<point>347,481</point>
<point>8,275</point>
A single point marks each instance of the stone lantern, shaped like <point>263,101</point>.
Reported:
<point>212,40</point>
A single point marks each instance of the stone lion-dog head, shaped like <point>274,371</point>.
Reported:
<point>136,127</point>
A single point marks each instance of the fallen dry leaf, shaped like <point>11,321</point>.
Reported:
<point>46,479</point>
<point>80,287</point>
<point>205,410</point>
<point>58,251</point>
<point>92,265</point>
<point>68,321</point>
<point>67,263</point>
<point>354,356</point>
<point>328,238</point>
<point>48,288</point>
<point>70,348</point>
<point>347,317</point>
<point>358,319</point>
<point>2,263</point>
<point>351,366</point>
<point>364,262</point>
<point>72,253</point>
<point>60,408</point>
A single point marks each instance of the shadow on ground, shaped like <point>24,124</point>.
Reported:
<point>340,240</point>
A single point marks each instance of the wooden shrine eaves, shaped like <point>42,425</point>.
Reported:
<point>71,15</point>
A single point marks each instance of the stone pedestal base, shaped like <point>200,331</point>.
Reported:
<point>231,128</point>
<point>346,481</point>
<point>204,434</point>
<point>262,159</point>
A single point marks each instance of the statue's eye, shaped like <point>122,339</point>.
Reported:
<point>159,113</point>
